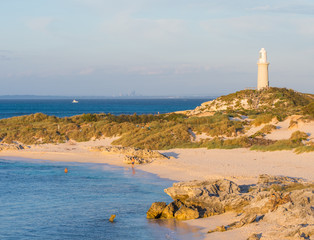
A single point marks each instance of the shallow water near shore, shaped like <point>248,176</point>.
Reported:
<point>39,201</point>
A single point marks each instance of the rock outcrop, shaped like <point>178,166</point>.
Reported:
<point>135,160</point>
<point>140,156</point>
<point>156,210</point>
<point>186,213</point>
<point>285,202</point>
<point>171,209</point>
<point>4,147</point>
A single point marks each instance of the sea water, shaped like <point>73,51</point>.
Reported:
<point>65,107</point>
<point>38,200</point>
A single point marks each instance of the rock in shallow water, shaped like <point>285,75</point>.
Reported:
<point>156,210</point>
<point>171,209</point>
<point>186,213</point>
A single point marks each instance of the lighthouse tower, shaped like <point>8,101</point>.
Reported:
<point>262,72</point>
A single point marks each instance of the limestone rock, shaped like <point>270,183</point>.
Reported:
<point>136,160</point>
<point>268,180</point>
<point>254,236</point>
<point>186,213</point>
<point>218,229</point>
<point>198,190</point>
<point>284,202</point>
<point>129,151</point>
<point>171,209</point>
<point>156,210</point>
<point>246,220</point>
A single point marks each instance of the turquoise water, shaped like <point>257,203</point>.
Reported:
<point>65,107</point>
<point>39,201</point>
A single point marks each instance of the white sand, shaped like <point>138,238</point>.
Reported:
<point>240,165</point>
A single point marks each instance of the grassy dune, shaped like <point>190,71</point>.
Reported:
<point>167,131</point>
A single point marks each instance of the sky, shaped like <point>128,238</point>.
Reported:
<point>153,47</point>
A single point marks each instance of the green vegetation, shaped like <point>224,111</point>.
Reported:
<point>304,149</point>
<point>309,110</point>
<point>167,131</point>
<point>265,130</point>
<point>295,142</point>
<point>298,136</point>
<point>269,103</point>
<point>268,128</point>
<point>277,146</point>
<point>262,118</point>
<point>216,125</point>
<point>143,131</point>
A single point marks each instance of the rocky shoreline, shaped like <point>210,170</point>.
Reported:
<point>285,202</point>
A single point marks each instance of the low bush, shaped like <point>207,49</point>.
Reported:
<point>268,128</point>
<point>277,146</point>
<point>304,149</point>
<point>263,118</point>
<point>298,136</point>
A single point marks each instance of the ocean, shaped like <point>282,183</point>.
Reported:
<point>65,107</point>
<point>39,201</point>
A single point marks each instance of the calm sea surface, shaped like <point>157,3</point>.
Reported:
<point>39,201</point>
<point>62,108</point>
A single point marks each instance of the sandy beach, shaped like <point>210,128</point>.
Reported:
<point>239,165</point>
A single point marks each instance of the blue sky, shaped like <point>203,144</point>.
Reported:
<point>153,47</point>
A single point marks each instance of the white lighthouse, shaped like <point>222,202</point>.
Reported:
<point>262,72</point>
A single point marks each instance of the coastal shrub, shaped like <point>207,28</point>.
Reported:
<point>164,135</point>
<point>89,117</point>
<point>165,131</point>
<point>263,118</point>
<point>216,125</point>
<point>309,109</point>
<point>268,128</point>
<point>277,146</point>
<point>257,134</point>
<point>304,149</point>
<point>293,123</point>
<point>298,136</point>
<point>265,130</point>
<point>241,142</point>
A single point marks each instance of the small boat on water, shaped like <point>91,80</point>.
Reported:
<point>74,101</point>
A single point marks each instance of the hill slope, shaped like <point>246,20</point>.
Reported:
<point>277,100</point>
